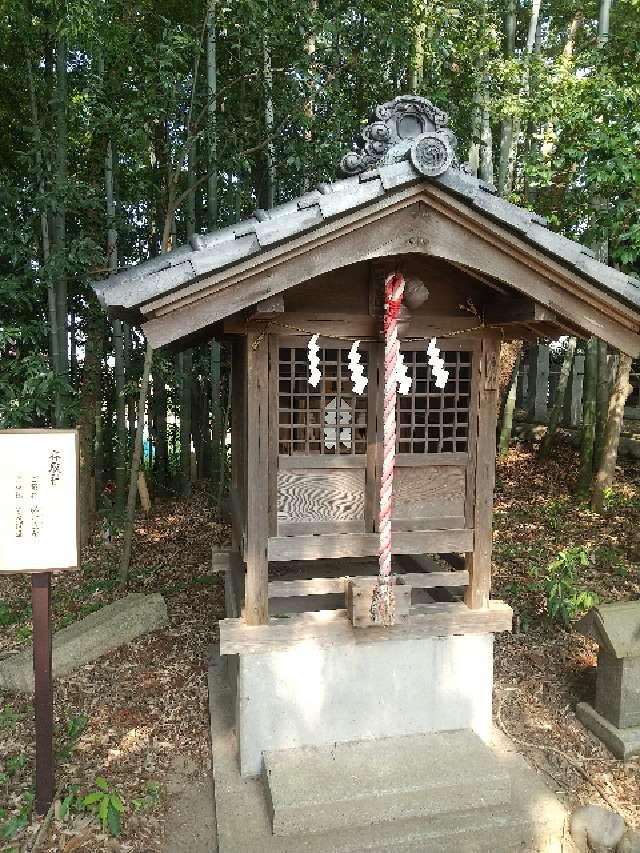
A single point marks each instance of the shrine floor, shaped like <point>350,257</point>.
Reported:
<point>489,800</point>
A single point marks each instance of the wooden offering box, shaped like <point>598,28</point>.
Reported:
<point>360,594</point>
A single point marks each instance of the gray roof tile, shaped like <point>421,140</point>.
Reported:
<point>219,249</point>
<point>349,194</point>
<point>281,227</point>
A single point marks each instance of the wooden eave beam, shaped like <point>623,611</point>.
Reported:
<point>519,309</point>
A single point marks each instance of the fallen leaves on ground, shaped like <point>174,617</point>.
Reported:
<point>543,670</point>
<point>146,703</point>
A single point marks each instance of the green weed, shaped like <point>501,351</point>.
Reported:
<point>105,805</point>
<point>558,582</point>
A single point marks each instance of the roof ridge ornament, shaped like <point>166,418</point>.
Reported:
<point>408,127</point>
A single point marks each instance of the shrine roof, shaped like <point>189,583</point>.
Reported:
<point>408,144</point>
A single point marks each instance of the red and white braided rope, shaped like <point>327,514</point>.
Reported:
<point>393,296</point>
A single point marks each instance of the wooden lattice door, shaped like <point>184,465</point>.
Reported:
<point>325,440</point>
<point>436,439</point>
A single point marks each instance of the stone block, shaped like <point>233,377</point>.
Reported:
<point>623,743</point>
<point>89,638</point>
<point>311,694</point>
<point>618,690</point>
<point>616,629</point>
<point>596,830</point>
<point>313,789</point>
<point>630,842</point>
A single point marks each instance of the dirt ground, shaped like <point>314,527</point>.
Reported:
<point>138,717</point>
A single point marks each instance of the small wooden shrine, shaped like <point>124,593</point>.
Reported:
<point>292,289</point>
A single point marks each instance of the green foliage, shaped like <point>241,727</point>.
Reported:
<point>106,805</point>
<point>616,501</point>
<point>22,813</point>
<point>559,583</point>
<point>9,717</point>
<point>69,737</point>
<point>611,559</point>
<point>148,802</point>
<point>554,511</point>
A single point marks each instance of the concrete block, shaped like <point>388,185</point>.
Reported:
<point>623,743</point>
<point>89,638</point>
<point>533,822</point>
<point>312,789</point>
<point>310,694</point>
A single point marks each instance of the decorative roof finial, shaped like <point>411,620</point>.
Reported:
<point>407,127</point>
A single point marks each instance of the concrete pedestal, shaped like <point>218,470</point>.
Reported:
<point>522,815</point>
<point>308,695</point>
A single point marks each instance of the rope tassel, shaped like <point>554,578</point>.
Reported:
<point>382,605</point>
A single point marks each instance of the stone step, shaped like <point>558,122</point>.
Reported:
<point>315,789</point>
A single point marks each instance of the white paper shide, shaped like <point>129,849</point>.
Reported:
<point>436,362</point>
<point>38,501</point>
<point>314,361</point>
<point>357,369</point>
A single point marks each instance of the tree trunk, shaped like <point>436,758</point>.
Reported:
<point>509,353</point>
<point>89,405</point>
<point>509,407</point>
<point>603,22</point>
<point>269,150</point>
<point>60,216</point>
<point>125,557</point>
<point>212,107</point>
<point>480,150</point>
<point>190,201</point>
<point>52,310</point>
<point>512,154</point>
<point>118,343</point>
<point>415,70</point>
<point>185,368</point>
<point>196,424</point>
<point>217,438</point>
<point>225,409</point>
<point>98,447</point>
<point>588,417</point>
<point>122,437</point>
<point>604,476</point>
<point>486,140</point>
<point>161,465</point>
<point>602,402</point>
<point>506,130</point>
<point>557,409</point>
<point>108,442</point>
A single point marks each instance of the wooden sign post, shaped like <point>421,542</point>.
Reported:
<point>39,534</point>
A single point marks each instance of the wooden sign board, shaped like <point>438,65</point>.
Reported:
<point>39,524</point>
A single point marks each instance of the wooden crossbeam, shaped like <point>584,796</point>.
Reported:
<point>282,548</point>
<point>332,627</point>
<point>332,586</point>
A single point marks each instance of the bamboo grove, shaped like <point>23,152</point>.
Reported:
<point>128,127</point>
